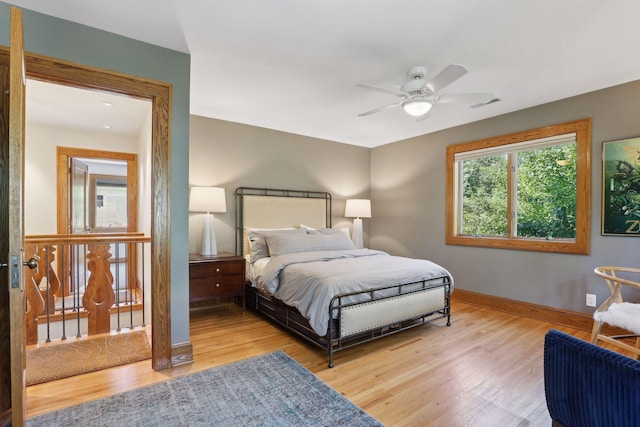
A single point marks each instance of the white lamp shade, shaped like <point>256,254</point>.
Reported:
<point>417,106</point>
<point>207,199</point>
<point>358,208</point>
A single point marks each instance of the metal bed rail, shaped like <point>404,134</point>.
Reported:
<point>344,301</point>
<point>290,318</point>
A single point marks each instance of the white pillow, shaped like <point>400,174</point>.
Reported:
<point>312,230</point>
<point>280,244</point>
<point>258,246</point>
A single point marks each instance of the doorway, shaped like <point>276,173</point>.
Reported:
<point>159,94</point>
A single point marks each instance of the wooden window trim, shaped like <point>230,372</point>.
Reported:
<point>581,244</point>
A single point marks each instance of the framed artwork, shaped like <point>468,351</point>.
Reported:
<point>621,187</point>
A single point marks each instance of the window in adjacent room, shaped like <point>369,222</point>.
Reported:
<point>108,208</point>
<point>529,190</point>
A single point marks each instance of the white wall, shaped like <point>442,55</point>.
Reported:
<point>40,192</point>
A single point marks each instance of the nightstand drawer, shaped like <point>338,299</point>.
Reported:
<point>216,277</point>
<point>201,269</point>
<point>215,287</point>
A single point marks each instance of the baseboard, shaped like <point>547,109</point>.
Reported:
<point>543,313</point>
<point>181,354</point>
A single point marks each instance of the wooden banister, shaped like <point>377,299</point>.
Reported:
<point>82,239</point>
<point>95,286</point>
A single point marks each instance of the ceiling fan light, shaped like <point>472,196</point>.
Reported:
<point>417,106</point>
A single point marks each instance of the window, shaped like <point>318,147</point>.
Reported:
<point>108,207</point>
<point>528,190</point>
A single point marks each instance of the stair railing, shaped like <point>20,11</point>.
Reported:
<point>91,283</point>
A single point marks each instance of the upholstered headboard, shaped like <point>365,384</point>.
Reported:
<point>274,208</point>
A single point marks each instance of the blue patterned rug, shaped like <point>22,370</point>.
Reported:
<point>269,390</point>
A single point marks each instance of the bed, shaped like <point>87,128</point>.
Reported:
<point>309,278</point>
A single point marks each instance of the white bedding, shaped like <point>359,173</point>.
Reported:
<point>309,280</point>
<point>254,269</point>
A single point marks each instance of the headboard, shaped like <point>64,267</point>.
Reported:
<point>274,208</point>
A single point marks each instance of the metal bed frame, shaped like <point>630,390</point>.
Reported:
<point>351,323</point>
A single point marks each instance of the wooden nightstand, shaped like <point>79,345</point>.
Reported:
<point>216,277</point>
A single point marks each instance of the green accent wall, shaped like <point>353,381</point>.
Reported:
<point>77,43</point>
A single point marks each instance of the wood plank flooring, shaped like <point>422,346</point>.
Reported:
<point>484,370</point>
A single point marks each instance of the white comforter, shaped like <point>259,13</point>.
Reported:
<point>308,280</point>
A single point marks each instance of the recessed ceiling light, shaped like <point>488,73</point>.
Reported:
<point>107,126</point>
<point>108,104</point>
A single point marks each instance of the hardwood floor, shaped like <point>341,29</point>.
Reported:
<point>484,370</point>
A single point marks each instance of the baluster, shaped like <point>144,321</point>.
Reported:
<point>99,296</point>
<point>142,285</point>
<point>117,269</point>
<point>47,254</point>
<point>35,304</point>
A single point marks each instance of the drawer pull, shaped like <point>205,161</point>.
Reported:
<point>217,270</point>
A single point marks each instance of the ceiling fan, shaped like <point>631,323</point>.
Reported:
<point>420,95</point>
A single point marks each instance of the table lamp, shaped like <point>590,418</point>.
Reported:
<point>357,209</point>
<point>208,200</point>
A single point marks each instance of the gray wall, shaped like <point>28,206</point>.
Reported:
<point>69,41</point>
<point>232,155</point>
<point>406,183</point>
<point>408,195</point>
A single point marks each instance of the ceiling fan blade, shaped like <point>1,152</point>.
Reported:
<point>451,73</point>
<point>464,98</point>
<point>367,113</point>
<point>381,89</point>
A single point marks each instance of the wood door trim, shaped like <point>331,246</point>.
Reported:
<point>5,318</point>
<point>64,153</point>
<point>160,94</point>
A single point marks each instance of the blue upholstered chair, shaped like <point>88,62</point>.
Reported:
<point>589,386</point>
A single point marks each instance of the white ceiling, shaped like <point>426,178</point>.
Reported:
<point>85,110</point>
<point>293,65</point>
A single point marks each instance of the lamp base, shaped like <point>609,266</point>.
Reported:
<point>357,233</point>
<point>209,247</point>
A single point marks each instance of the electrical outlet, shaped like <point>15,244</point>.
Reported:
<point>591,300</point>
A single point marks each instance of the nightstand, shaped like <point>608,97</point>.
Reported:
<point>216,277</point>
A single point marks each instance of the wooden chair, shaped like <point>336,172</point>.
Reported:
<point>616,312</point>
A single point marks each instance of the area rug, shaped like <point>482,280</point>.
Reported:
<point>60,360</point>
<point>270,390</point>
